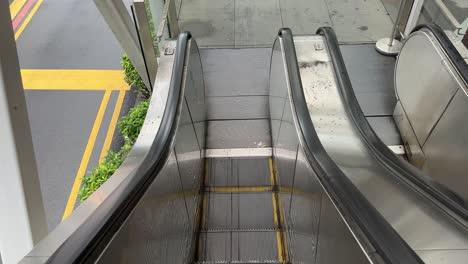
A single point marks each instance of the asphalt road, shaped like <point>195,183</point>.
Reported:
<point>71,35</point>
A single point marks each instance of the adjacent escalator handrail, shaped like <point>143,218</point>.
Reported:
<point>383,238</point>
<point>405,171</point>
<point>89,239</point>
<point>447,45</point>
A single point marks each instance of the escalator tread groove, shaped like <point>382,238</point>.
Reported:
<point>240,223</point>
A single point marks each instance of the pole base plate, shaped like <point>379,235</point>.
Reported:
<point>383,46</point>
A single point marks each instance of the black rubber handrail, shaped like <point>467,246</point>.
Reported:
<point>90,239</point>
<point>433,190</point>
<point>383,238</point>
<point>447,45</point>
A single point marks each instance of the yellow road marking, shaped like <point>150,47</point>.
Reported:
<point>86,156</point>
<point>112,125</point>
<point>229,189</point>
<point>28,18</point>
<point>34,79</point>
<point>15,7</point>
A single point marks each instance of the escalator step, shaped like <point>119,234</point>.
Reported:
<point>244,247</point>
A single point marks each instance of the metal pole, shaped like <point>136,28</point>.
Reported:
<point>22,221</point>
<point>390,46</point>
<point>121,24</point>
<point>139,10</point>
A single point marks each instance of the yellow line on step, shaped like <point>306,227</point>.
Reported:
<point>270,166</point>
<point>275,213</point>
<point>86,156</point>
<point>232,189</point>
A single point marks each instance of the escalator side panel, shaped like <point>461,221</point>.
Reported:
<point>163,225</point>
<point>315,231</point>
<point>413,217</point>
<point>157,230</point>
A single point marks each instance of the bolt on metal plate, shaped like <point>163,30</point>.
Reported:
<point>169,51</point>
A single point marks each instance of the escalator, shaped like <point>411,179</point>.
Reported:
<point>315,189</point>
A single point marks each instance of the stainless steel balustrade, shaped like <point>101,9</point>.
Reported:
<point>148,209</point>
<point>315,231</point>
<point>431,84</point>
<point>418,219</point>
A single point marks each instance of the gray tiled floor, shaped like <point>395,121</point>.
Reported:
<point>371,75</point>
<point>253,23</point>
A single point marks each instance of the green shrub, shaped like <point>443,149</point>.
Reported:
<point>102,172</point>
<point>129,127</point>
<point>132,77</point>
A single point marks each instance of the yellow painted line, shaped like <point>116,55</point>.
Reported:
<point>86,156</point>
<point>229,189</point>
<point>28,18</point>
<point>35,79</point>
<point>272,178</point>
<point>278,232</point>
<point>275,214</point>
<point>278,219</point>
<point>15,7</point>
<point>112,126</point>
<point>285,256</point>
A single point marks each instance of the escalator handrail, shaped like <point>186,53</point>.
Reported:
<point>433,190</point>
<point>351,203</point>
<point>89,239</point>
<point>447,45</point>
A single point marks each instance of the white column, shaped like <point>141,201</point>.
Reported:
<point>121,23</point>
<point>157,8</point>
<point>413,17</point>
<point>22,217</point>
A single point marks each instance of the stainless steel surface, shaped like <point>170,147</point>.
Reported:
<point>446,149</point>
<point>120,179</point>
<point>315,231</point>
<point>121,24</point>
<point>238,152</point>
<point>146,39</point>
<point>433,103</point>
<point>424,88</point>
<point>410,142</point>
<point>422,224</point>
